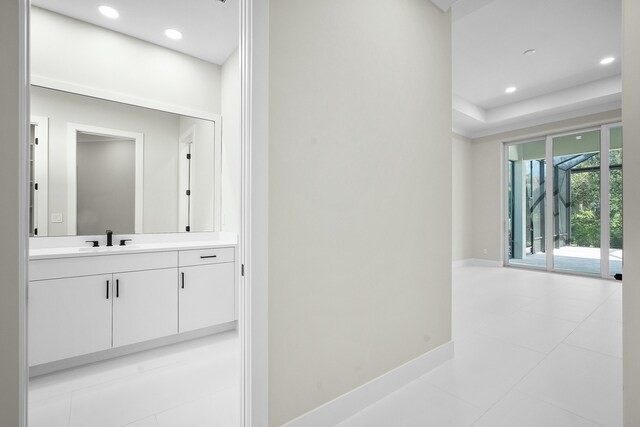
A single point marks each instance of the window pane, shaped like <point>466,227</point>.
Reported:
<point>576,210</point>
<point>526,193</point>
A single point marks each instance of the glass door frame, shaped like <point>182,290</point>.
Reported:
<point>605,188</point>
<point>506,212</point>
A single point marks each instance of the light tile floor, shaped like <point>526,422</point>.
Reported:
<point>191,384</point>
<point>532,349</point>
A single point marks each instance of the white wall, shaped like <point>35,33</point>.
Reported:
<point>13,139</point>
<point>161,133</point>
<point>83,58</point>
<point>231,154</point>
<point>462,197</point>
<point>631,153</point>
<point>488,186</point>
<point>359,194</point>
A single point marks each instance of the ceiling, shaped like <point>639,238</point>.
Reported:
<point>562,79</point>
<point>211,29</point>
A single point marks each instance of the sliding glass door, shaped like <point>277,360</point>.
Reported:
<point>564,202</point>
<point>526,200</point>
<point>576,202</point>
<point>615,200</point>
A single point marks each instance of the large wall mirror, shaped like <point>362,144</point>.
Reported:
<point>108,165</point>
<point>128,135</point>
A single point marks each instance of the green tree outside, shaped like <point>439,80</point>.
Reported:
<point>585,204</point>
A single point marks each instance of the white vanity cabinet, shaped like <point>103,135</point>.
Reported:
<point>95,306</point>
<point>145,306</point>
<point>73,312</point>
<point>207,294</point>
<point>69,317</point>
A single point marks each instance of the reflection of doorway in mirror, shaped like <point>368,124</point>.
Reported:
<point>95,166</point>
<point>184,179</point>
<point>38,176</point>
<point>105,184</point>
<point>199,169</point>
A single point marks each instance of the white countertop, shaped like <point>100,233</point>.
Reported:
<point>133,247</point>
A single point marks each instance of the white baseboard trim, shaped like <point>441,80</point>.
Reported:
<point>486,262</point>
<point>462,263</point>
<point>342,407</point>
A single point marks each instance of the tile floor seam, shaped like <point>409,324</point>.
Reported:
<point>125,378</point>
<point>448,393</point>
<point>560,407</point>
<point>107,382</point>
<point>571,299</point>
<point>522,378</point>
<point>592,351</point>
<point>503,341</point>
<point>70,408</point>
<point>512,387</point>
<point>155,414</point>
<point>171,408</point>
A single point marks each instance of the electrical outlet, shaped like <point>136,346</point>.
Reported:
<point>484,251</point>
<point>56,217</point>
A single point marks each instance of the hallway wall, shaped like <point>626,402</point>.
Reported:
<point>359,194</point>
<point>462,197</point>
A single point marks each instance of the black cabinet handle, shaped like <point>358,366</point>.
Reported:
<point>94,243</point>
<point>107,289</point>
<point>117,288</point>
<point>123,242</point>
<point>208,256</point>
<point>182,274</point>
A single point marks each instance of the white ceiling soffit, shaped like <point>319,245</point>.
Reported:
<point>463,7</point>
<point>443,4</point>
<point>562,80</point>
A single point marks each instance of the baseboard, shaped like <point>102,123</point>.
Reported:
<point>486,262</point>
<point>462,263</point>
<point>342,407</point>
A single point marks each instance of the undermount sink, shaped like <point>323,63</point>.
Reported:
<point>107,248</point>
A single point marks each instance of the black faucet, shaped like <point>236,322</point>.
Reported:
<point>109,238</point>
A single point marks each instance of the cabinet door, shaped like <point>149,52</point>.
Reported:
<point>207,296</point>
<point>145,305</point>
<point>69,317</point>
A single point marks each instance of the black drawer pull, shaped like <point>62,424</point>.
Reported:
<point>117,288</point>
<point>182,279</point>
<point>107,289</point>
<point>208,256</point>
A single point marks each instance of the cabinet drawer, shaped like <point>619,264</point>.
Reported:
<point>206,256</point>
<point>90,265</point>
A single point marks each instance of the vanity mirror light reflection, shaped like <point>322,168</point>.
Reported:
<point>137,133</point>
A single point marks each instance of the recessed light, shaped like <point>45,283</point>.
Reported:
<point>109,12</point>
<point>510,89</point>
<point>607,60</point>
<point>529,52</point>
<point>173,34</point>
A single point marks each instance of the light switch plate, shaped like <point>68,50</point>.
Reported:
<point>56,217</point>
